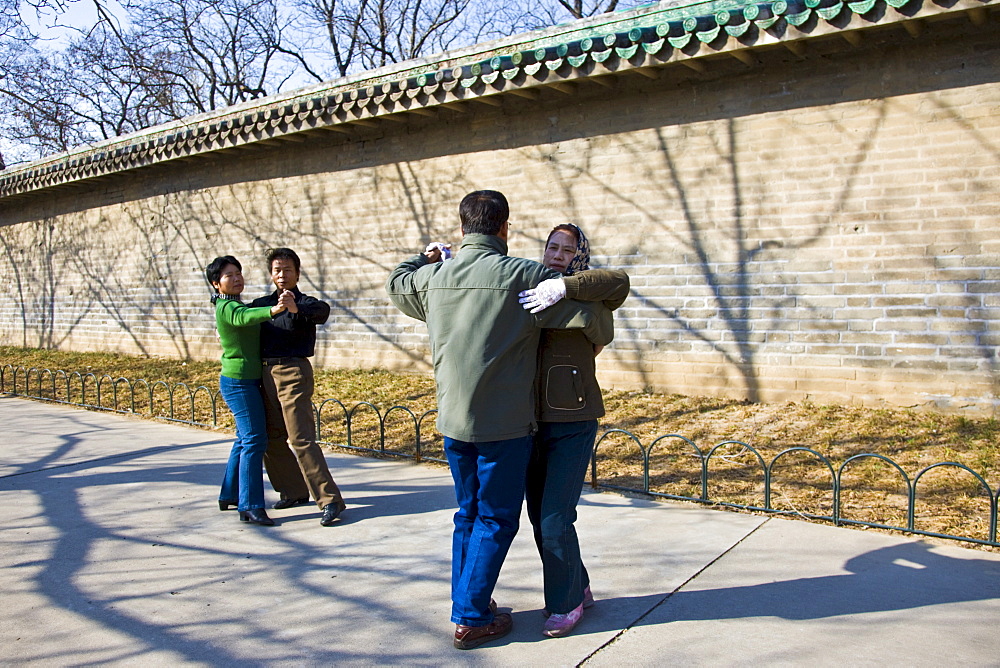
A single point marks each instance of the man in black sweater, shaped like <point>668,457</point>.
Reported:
<point>287,342</point>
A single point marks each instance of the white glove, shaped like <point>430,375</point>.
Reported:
<point>544,295</point>
<point>444,248</point>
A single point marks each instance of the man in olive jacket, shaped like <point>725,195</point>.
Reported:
<point>484,348</point>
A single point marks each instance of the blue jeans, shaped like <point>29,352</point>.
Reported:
<point>558,466</point>
<point>489,486</point>
<point>244,480</point>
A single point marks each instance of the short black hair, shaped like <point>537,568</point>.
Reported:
<point>213,272</point>
<point>483,212</point>
<point>282,254</point>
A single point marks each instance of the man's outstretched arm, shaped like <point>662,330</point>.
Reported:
<point>402,289</point>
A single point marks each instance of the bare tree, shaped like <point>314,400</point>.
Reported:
<point>37,106</point>
<point>167,59</point>
<point>12,27</point>
<point>579,9</point>
<point>102,85</point>
<point>172,59</point>
<point>224,51</point>
<point>366,34</point>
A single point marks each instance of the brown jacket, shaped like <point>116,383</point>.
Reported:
<point>566,381</point>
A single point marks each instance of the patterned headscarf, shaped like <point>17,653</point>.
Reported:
<point>580,261</point>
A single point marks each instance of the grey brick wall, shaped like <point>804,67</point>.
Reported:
<point>821,229</point>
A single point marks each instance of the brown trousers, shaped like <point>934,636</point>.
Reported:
<point>294,461</point>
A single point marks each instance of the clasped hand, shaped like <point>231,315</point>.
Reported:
<point>286,302</point>
<point>437,251</point>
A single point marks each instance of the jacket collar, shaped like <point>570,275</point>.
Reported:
<point>485,241</point>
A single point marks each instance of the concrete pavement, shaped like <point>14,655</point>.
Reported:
<point>113,552</point>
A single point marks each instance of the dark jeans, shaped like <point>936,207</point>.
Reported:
<point>244,479</point>
<point>556,471</point>
<point>489,486</point>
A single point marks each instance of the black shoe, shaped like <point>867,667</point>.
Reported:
<point>224,505</point>
<point>331,513</point>
<point>256,516</point>
<point>290,503</point>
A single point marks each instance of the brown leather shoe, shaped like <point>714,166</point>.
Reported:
<point>467,637</point>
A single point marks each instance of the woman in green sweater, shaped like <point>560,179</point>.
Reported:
<point>240,385</point>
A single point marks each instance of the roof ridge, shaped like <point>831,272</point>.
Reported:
<point>644,39</point>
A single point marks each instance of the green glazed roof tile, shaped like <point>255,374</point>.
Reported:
<point>626,53</point>
<point>738,30</point>
<point>799,18</point>
<point>831,12</point>
<point>709,36</point>
<point>653,48</point>
<point>672,29</point>
<point>681,41</point>
<point>862,7</point>
<point>724,17</point>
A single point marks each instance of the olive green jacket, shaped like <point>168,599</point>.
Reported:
<point>484,345</point>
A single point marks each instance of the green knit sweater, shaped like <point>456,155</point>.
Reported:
<point>239,334</point>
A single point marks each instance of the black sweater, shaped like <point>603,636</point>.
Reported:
<point>291,334</point>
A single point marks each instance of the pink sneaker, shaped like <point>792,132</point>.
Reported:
<point>588,601</point>
<point>557,626</point>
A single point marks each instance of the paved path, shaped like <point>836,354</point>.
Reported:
<point>113,552</point>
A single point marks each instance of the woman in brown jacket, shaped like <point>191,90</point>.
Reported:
<point>569,404</point>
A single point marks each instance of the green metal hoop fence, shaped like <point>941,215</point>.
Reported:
<point>367,430</point>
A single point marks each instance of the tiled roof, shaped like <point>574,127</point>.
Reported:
<point>641,41</point>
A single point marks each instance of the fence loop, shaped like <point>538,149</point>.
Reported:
<point>11,376</point>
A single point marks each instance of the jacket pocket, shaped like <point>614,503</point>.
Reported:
<point>564,388</point>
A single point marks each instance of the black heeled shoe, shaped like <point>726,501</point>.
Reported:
<point>224,505</point>
<point>256,516</point>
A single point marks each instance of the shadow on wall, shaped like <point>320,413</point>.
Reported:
<point>38,257</point>
<point>136,283</point>
<point>707,217</point>
<point>695,189</point>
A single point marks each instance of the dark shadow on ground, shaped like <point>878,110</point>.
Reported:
<point>900,577</point>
